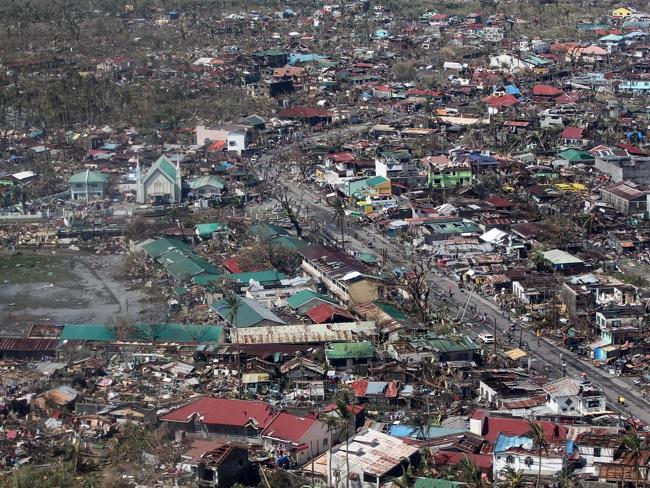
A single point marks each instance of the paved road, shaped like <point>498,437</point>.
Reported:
<point>547,357</point>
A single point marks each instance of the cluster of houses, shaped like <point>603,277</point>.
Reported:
<point>521,175</point>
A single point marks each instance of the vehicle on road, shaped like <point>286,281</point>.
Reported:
<point>486,338</point>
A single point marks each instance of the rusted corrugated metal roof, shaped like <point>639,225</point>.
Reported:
<point>20,344</point>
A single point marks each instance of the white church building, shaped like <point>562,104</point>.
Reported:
<point>161,184</point>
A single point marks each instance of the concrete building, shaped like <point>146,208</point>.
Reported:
<point>518,453</point>
<point>570,396</point>
<point>235,137</point>
<point>344,277</point>
<point>626,197</point>
<point>88,185</point>
<point>625,168</point>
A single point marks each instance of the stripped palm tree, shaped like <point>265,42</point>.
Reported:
<point>566,479</point>
<point>537,435</point>
<point>339,218</point>
<point>511,478</point>
<point>332,423</point>
<point>233,303</point>
<point>634,453</point>
<point>345,418</point>
<point>471,474</point>
<point>404,481</point>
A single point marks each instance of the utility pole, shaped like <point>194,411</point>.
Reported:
<point>521,338</point>
<point>495,335</point>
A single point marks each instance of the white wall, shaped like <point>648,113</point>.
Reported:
<point>158,184</point>
<point>550,465</point>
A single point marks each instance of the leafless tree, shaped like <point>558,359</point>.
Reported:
<point>290,206</point>
<point>416,283</point>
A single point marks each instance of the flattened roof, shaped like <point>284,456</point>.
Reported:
<point>558,256</point>
<point>374,452</point>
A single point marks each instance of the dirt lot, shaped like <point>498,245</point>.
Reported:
<point>67,288</point>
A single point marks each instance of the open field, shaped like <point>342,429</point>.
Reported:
<point>66,288</point>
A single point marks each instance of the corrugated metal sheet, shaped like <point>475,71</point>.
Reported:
<point>305,333</point>
<point>9,344</point>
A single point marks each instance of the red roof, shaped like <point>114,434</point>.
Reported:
<point>438,17</point>
<point>325,312</point>
<point>353,409</point>
<point>633,150</point>
<point>493,426</point>
<point>289,427</point>
<point>572,133</point>
<point>391,389</point>
<point>360,387</point>
<point>500,101</point>
<point>423,93</point>
<point>498,202</point>
<point>341,157</point>
<point>546,91</point>
<point>224,411</point>
<point>567,98</point>
<point>451,458</point>
<point>216,146</point>
<point>516,123</point>
<point>232,265</point>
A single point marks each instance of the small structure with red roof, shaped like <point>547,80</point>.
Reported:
<point>573,136</point>
<point>298,437</point>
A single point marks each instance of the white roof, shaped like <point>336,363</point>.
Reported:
<point>372,452</point>
<point>23,175</point>
<point>305,333</point>
<point>493,235</point>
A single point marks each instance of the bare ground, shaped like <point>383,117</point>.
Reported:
<point>67,288</point>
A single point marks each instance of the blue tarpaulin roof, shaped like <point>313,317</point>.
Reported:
<point>505,442</point>
<point>513,90</point>
<point>413,432</point>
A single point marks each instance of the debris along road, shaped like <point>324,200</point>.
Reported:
<point>546,356</point>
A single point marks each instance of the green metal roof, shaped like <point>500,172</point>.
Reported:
<point>267,230</point>
<point>166,166</point>
<point>88,176</point>
<point>206,230</point>
<point>576,155</point>
<point>392,311</point>
<point>366,257</point>
<point>377,180</point>
<point>356,186</point>
<point>183,266</point>
<point>157,247</point>
<point>288,242</point>
<point>205,279</point>
<point>177,332</point>
<point>87,332</point>
<point>271,52</point>
<point>305,296</point>
<point>435,483</point>
<point>350,350</point>
<point>210,180</point>
<point>145,333</point>
<point>249,314</point>
<point>267,276</point>
<point>558,256</point>
<point>255,120</point>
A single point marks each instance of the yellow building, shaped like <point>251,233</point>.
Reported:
<point>622,12</point>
